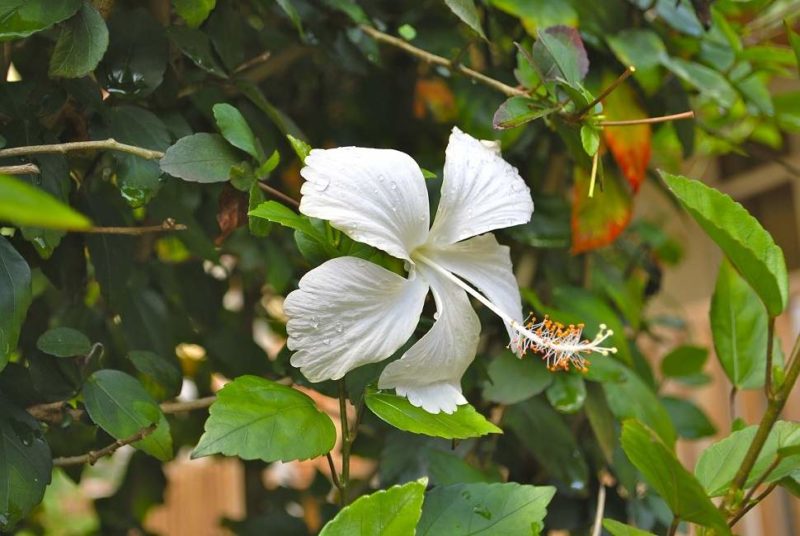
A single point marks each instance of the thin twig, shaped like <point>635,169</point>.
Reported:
<point>762,478</point>
<point>673,528</point>
<point>188,405</point>
<point>647,120</point>
<point>334,475</point>
<point>167,225</point>
<point>434,59</point>
<point>261,58</point>
<point>92,456</point>
<point>21,169</point>
<point>54,412</point>
<point>277,193</point>
<point>752,505</point>
<point>607,91</point>
<point>597,527</point>
<point>345,477</point>
<point>732,403</point>
<point>63,148</point>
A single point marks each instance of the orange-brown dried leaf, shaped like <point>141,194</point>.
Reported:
<point>434,95</point>
<point>630,145</point>
<point>232,212</point>
<point>597,221</point>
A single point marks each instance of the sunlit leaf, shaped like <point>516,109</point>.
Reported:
<point>23,204</point>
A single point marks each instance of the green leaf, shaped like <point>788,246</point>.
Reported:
<point>21,18</point>
<point>23,204</point>
<point>288,7</point>
<point>517,111</point>
<point>601,420</point>
<point>621,529</point>
<point>161,377</point>
<point>81,44</point>
<point>194,12</point>
<point>662,470</point>
<point>398,411</point>
<point>350,8</point>
<point>301,148</point>
<point>25,464</point>
<point>513,380</point>
<point>197,47</point>
<point>744,241</point>
<point>718,463</point>
<point>256,419</point>
<point>387,512</point>
<point>200,158</point>
<point>468,13</point>
<point>559,55</point>
<point>590,139</point>
<point>446,468</point>
<point>690,422</point>
<point>15,298</point>
<point>120,405</point>
<point>739,326</point>
<point>533,420</point>
<point>278,213</point>
<point>710,84</point>
<point>234,128</point>
<point>794,41</point>
<point>640,48</point>
<point>466,509</point>
<point>568,392</point>
<point>685,363</point>
<point>64,342</point>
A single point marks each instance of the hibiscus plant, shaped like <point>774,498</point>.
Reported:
<point>393,246</point>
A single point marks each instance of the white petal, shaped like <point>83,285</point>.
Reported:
<point>375,196</point>
<point>481,192</point>
<point>487,265</point>
<point>429,373</point>
<point>349,312</point>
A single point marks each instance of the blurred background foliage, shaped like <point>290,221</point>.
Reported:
<point>193,306</point>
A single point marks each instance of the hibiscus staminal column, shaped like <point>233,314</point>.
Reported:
<point>559,345</point>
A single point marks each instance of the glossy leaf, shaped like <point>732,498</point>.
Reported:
<point>467,509</point>
<point>15,297</point>
<point>534,419</point>
<point>194,12</point>
<point>597,221</point>
<point>22,204</point>
<point>234,128</point>
<point>744,241</point>
<point>559,55</point>
<point>517,111</point>
<point>25,464</point>
<point>468,13</point>
<point>256,419</point>
<point>160,376</point>
<point>630,145</point>
<point>197,47</point>
<point>398,411</point>
<point>119,405</point>
<point>662,470</point>
<point>685,364</point>
<point>21,18</point>
<point>718,463</point>
<point>81,44</point>
<point>513,380</point>
<point>739,327</point>
<point>390,512</point>
<point>200,158</point>
<point>615,528</point>
<point>64,342</point>
<point>567,393</point>
<point>690,422</point>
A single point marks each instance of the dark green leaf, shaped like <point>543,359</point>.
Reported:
<point>685,363</point>
<point>559,55</point>
<point>160,376</point>
<point>21,18</point>
<point>446,468</point>
<point>288,7</point>
<point>739,326</point>
<point>466,509</point>
<point>120,405</point>
<point>351,9</point>
<point>25,464</point>
<point>197,47</point>
<point>398,411</point>
<point>601,420</point>
<point>662,470</point>
<point>517,111</point>
<point>744,241</point>
<point>393,511</point>
<point>200,158</point>
<point>254,418</point>
<point>22,204</point>
<point>234,128</point>
<point>533,420</point>
<point>81,44</point>
<point>640,48</point>
<point>513,380</point>
<point>621,529</point>
<point>707,81</point>
<point>64,342</point>
<point>567,393</point>
<point>194,12</point>
<point>15,298</point>
<point>468,13</point>
<point>690,422</point>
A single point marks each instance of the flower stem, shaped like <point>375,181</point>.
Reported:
<point>344,480</point>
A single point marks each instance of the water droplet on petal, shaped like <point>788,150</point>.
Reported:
<point>339,327</point>
<point>436,315</point>
<point>393,185</point>
<point>326,342</point>
<point>321,183</point>
<point>517,186</point>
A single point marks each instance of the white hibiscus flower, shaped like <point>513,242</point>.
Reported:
<point>349,312</point>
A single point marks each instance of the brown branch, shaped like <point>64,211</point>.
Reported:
<point>277,193</point>
<point>434,59</point>
<point>54,412</point>
<point>21,169</point>
<point>647,120</point>
<point>92,456</point>
<point>167,225</point>
<point>334,475</point>
<point>188,405</point>
<point>63,148</point>
<point>607,91</point>
<point>752,505</point>
<point>673,528</point>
